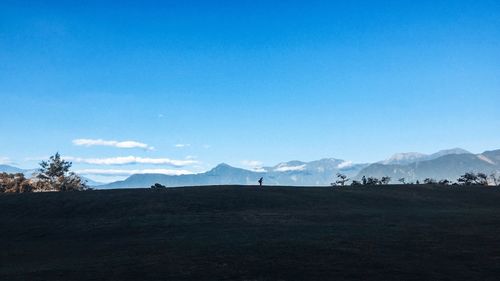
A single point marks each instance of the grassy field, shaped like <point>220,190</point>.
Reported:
<point>247,233</point>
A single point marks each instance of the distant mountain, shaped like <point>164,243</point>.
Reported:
<point>10,169</point>
<point>404,158</point>
<point>447,152</point>
<point>91,183</point>
<point>221,174</point>
<point>411,157</point>
<point>321,172</point>
<point>445,164</point>
<point>448,164</point>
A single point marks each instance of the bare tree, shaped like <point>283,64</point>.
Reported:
<point>14,183</point>
<point>341,179</point>
<point>482,179</point>
<point>402,180</point>
<point>494,179</point>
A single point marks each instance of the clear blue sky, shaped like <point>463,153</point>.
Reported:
<point>235,81</point>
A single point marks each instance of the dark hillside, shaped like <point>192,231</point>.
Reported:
<point>246,233</point>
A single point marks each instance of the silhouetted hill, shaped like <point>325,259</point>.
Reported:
<point>386,233</point>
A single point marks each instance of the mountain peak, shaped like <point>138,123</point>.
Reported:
<point>221,166</point>
<point>404,158</point>
<point>455,150</point>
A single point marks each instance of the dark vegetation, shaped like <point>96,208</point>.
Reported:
<point>467,179</point>
<point>158,186</point>
<point>53,175</point>
<point>405,232</point>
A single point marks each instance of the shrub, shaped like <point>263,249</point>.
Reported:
<point>158,186</point>
<point>430,181</point>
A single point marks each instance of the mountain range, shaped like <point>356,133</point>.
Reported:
<point>445,164</point>
<point>299,173</point>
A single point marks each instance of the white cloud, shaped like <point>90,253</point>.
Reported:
<point>284,168</point>
<point>345,164</point>
<point>254,165</point>
<point>113,143</point>
<point>182,145</point>
<point>5,160</point>
<point>126,160</point>
<point>120,172</point>
<point>251,163</point>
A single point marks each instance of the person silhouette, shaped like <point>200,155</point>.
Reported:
<point>261,180</point>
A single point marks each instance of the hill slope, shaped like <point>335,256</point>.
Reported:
<point>234,233</point>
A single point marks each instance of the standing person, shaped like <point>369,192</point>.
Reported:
<point>261,180</point>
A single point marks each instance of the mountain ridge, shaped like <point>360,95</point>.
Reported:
<point>413,166</point>
<point>449,163</point>
<point>449,166</point>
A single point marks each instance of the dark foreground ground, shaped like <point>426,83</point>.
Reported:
<point>245,233</point>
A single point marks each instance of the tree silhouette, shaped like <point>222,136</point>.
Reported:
<point>468,179</point>
<point>444,182</point>
<point>402,180</point>
<point>482,179</point>
<point>355,183</point>
<point>372,181</point>
<point>158,186</point>
<point>341,179</point>
<point>385,180</point>
<point>54,168</point>
<point>54,174</point>
<point>494,179</point>
<point>430,181</point>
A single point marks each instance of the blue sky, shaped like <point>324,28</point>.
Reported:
<point>244,82</point>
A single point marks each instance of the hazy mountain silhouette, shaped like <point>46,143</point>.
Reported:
<point>448,166</point>
<point>411,157</point>
<point>288,173</point>
<point>10,169</point>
